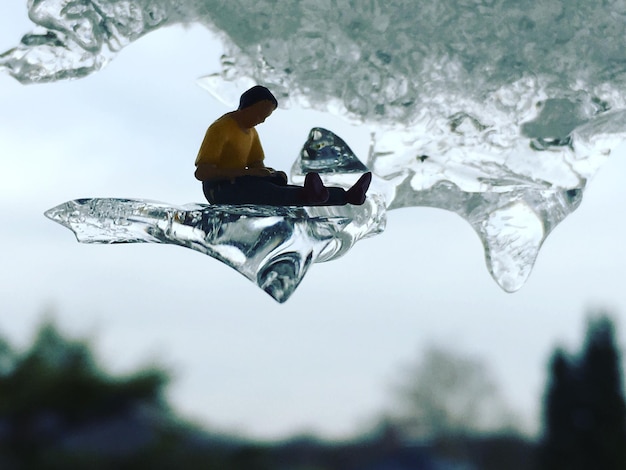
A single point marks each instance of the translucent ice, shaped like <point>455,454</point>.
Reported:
<point>511,219</point>
<point>75,39</point>
<point>272,246</point>
<point>500,111</point>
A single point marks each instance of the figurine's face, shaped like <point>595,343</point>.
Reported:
<point>259,112</point>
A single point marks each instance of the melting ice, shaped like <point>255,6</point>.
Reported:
<point>498,110</point>
<point>272,246</point>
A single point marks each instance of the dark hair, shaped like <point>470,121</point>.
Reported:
<point>254,95</point>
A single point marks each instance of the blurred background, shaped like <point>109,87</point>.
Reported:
<point>404,352</point>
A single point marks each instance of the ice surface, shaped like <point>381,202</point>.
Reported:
<point>272,246</point>
<point>499,110</point>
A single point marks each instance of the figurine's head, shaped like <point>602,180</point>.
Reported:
<point>255,95</point>
<point>255,105</point>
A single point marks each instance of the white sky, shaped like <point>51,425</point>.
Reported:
<point>325,360</point>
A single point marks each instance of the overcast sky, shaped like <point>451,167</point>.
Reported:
<point>325,360</point>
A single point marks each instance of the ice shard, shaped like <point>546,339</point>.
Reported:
<point>74,39</point>
<point>499,112</point>
<point>511,225</point>
<point>514,198</point>
<point>272,246</point>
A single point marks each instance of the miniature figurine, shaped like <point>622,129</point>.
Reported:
<point>230,164</point>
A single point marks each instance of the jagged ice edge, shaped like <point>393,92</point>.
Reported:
<point>271,246</point>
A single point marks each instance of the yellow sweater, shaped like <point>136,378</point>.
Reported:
<point>226,146</point>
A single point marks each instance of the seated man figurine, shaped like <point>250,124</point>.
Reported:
<point>230,164</point>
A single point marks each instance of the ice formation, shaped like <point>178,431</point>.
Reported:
<point>272,246</point>
<point>498,110</point>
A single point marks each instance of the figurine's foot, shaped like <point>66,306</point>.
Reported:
<point>356,194</point>
<point>314,191</point>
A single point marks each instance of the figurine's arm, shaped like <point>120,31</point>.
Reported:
<point>210,154</point>
<point>257,157</point>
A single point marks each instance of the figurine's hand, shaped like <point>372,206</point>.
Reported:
<point>278,177</point>
<point>259,172</point>
<point>281,176</point>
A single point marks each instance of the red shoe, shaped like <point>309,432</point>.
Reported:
<point>356,194</point>
<point>314,190</point>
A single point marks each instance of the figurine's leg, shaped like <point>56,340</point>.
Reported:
<point>261,191</point>
<point>226,192</point>
<point>211,191</point>
<point>253,190</point>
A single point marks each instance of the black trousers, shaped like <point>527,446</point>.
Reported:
<point>265,190</point>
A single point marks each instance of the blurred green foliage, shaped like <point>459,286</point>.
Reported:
<point>60,376</point>
<point>59,409</point>
<point>585,412</point>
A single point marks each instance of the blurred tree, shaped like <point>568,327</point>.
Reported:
<point>60,375</point>
<point>584,409</point>
<point>446,394</point>
<point>54,392</point>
